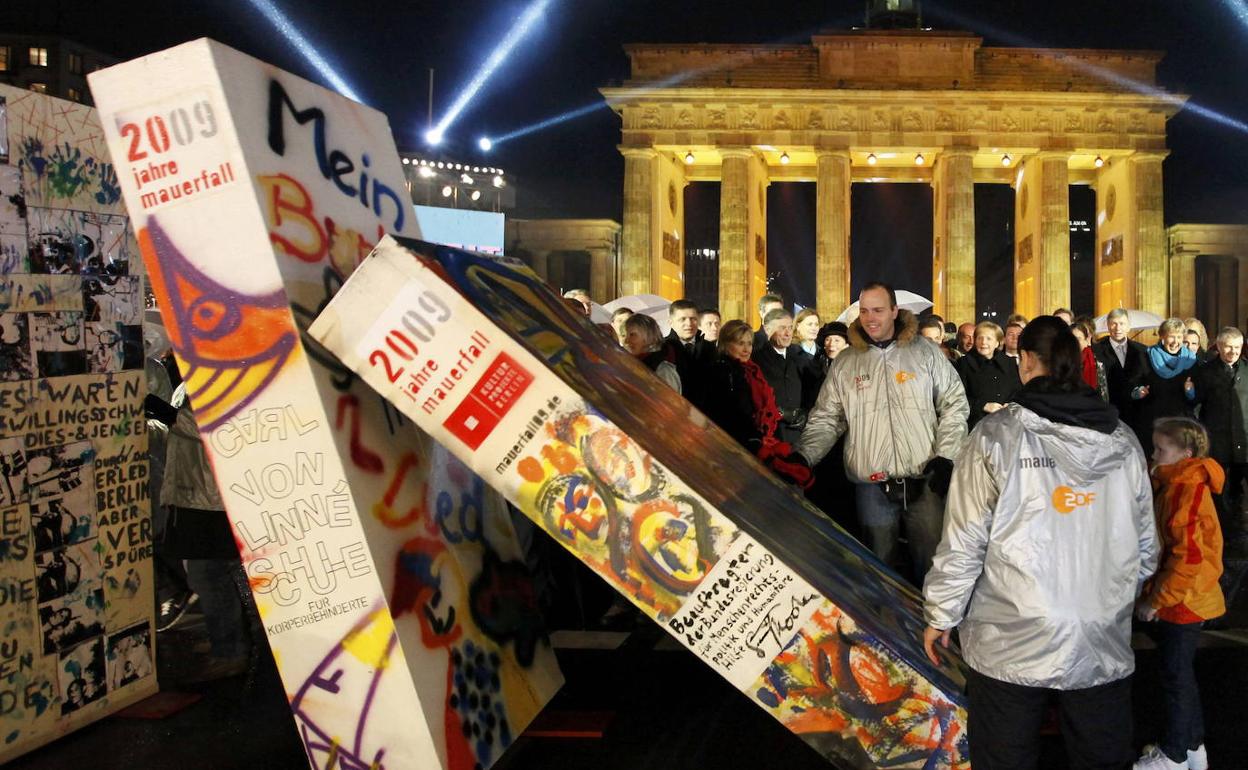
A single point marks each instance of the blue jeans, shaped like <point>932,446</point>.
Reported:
<point>881,525</point>
<point>216,582</point>
<point>1185,724</point>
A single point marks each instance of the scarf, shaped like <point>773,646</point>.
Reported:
<point>1169,365</point>
<point>773,452</point>
<point>1089,367</point>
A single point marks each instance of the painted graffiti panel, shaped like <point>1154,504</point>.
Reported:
<point>386,572</point>
<point>791,610</point>
<point>75,535</point>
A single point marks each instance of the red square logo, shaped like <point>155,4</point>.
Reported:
<point>471,422</point>
<point>502,384</point>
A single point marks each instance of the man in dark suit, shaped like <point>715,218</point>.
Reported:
<point>1125,362</point>
<point>694,354</point>
<point>766,304</point>
<point>1221,390</point>
<point>786,367</point>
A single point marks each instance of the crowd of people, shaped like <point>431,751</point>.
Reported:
<point>1041,485</point>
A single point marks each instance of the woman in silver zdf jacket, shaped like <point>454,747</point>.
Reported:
<point>1048,537</point>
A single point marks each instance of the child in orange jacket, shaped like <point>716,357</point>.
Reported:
<point>1185,592</point>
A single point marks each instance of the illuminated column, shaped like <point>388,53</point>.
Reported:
<point>1150,234</point>
<point>601,275</point>
<point>541,264</point>
<point>832,232</point>
<point>953,274</point>
<point>640,222</point>
<point>1182,282</point>
<point>756,235</point>
<point>1054,251</point>
<point>734,231</point>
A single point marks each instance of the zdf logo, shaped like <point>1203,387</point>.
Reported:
<point>1066,500</point>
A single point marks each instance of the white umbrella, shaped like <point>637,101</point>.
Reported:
<point>646,304</point>
<point>906,300</point>
<point>638,303</point>
<point>599,314</point>
<point>1138,319</point>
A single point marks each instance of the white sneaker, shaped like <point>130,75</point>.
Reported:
<point>1154,758</point>
<point>1198,759</point>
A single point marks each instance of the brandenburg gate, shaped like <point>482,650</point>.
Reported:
<point>878,105</point>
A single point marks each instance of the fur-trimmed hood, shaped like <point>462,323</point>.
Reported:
<point>907,330</point>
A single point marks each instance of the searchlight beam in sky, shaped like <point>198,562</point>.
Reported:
<point>300,43</point>
<point>517,33</point>
<point>1103,74</point>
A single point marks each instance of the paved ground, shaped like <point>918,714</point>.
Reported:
<point>658,706</point>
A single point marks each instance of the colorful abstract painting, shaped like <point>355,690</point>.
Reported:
<point>581,437</point>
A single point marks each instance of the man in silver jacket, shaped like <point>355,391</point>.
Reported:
<point>1049,537</point>
<point>904,410</point>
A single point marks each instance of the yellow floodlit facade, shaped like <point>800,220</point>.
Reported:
<point>861,106</point>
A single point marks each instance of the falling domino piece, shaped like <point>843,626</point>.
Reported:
<point>698,535</point>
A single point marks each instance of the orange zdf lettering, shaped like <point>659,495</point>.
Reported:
<point>1066,500</point>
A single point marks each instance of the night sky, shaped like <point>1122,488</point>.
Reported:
<point>574,170</point>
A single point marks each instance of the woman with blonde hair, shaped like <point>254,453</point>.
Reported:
<point>988,375</point>
<point>644,339</point>
<point>743,404</point>
<point>1165,389</point>
<point>806,330</point>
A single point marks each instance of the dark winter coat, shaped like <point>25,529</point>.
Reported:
<point>1222,393</point>
<point>693,362</point>
<point>730,404</point>
<point>788,376</point>
<point>987,380</point>
<point>1119,379</point>
<point>1166,398</point>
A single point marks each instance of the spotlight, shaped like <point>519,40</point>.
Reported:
<point>465,179</point>
<point>485,144</point>
<point>446,191</point>
<point>476,195</point>
<point>918,159</point>
<point>1005,159</point>
<point>1099,161</point>
<point>434,136</point>
<point>523,25</point>
<point>871,159</point>
<point>458,167</point>
<point>784,159</point>
<point>407,161</point>
<point>424,163</point>
<point>498,181</point>
<point>441,164</point>
<point>689,158</point>
<point>426,172</point>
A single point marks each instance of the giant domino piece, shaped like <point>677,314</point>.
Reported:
<point>387,575</point>
<point>622,472</point>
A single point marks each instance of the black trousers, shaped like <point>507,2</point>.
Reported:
<point>1185,724</point>
<point>1005,720</point>
<point>1229,504</point>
